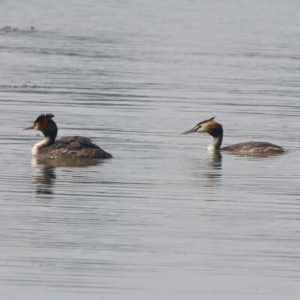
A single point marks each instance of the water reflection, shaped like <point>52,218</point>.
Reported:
<point>216,159</point>
<point>59,162</point>
<point>44,180</point>
<point>45,177</point>
<point>213,170</point>
<point>208,172</point>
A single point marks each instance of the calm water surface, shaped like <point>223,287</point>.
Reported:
<point>163,219</point>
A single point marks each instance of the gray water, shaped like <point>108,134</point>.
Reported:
<point>163,219</point>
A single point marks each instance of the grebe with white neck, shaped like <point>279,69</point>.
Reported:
<point>66,147</point>
<point>216,131</point>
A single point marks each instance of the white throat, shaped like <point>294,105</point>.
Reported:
<point>215,144</point>
<point>39,145</point>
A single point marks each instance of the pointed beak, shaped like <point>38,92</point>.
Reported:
<point>189,131</point>
<point>28,128</point>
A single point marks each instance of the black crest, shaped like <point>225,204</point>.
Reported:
<point>42,116</point>
<point>205,121</point>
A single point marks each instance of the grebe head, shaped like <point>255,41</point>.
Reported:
<point>208,126</point>
<point>46,125</point>
<point>214,129</point>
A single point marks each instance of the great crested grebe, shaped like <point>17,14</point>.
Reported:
<point>216,131</point>
<point>66,147</point>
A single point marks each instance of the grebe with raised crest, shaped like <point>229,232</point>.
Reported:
<point>216,131</point>
<point>66,147</point>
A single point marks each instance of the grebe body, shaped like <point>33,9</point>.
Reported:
<point>66,147</point>
<point>216,131</point>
